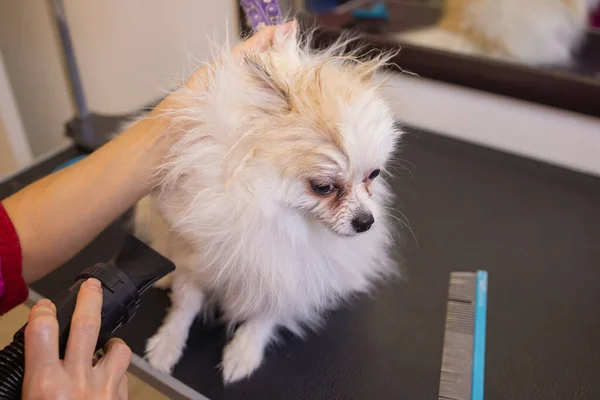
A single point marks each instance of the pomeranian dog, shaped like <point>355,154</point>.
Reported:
<point>533,32</point>
<point>273,204</point>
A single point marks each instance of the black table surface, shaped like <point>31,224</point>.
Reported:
<point>534,227</point>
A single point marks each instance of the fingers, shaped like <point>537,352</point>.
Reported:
<point>115,361</point>
<point>123,390</point>
<point>261,40</point>
<point>41,336</point>
<point>85,326</point>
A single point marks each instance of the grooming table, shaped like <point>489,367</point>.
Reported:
<point>534,227</point>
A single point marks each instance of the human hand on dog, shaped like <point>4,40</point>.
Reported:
<point>48,377</point>
<point>263,39</point>
<point>178,101</point>
<point>58,215</point>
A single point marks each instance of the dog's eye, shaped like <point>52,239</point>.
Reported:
<point>374,174</point>
<point>322,189</point>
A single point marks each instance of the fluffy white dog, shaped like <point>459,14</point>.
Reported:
<point>272,203</point>
<point>529,31</point>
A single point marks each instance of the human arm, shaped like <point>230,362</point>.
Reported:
<point>60,214</point>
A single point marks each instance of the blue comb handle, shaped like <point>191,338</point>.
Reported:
<point>377,11</point>
<point>69,162</point>
<point>479,336</point>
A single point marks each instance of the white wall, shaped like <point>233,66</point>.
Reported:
<point>15,152</point>
<point>8,163</point>
<point>128,52</point>
<point>34,70</point>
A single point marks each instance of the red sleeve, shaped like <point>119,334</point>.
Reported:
<point>15,290</point>
<point>596,19</point>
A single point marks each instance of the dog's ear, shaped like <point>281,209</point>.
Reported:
<point>287,41</point>
<point>262,69</point>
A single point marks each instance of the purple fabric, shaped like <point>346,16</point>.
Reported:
<point>2,288</point>
<point>261,13</point>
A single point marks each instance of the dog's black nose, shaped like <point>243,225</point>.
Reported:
<point>363,222</point>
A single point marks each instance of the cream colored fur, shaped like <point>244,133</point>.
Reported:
<point>237,210</point>
<point>533,32</point>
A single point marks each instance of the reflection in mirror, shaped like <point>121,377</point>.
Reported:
<point>543,51</point>
<point>555,34</point>
<point>534,32</point>
<point>544,33</point>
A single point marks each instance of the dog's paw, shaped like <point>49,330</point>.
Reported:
<point>240,360</point>
<point>163,351</point>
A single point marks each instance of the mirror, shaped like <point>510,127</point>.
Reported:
<point>550,34</point>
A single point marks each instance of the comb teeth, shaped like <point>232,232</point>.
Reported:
<point>457,358</point>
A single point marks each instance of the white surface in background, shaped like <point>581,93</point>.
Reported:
<point>14,148</point>
<point>556,136</point>
<point>128,53</point>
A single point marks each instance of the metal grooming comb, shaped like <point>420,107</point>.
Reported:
<point>463,358</point>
